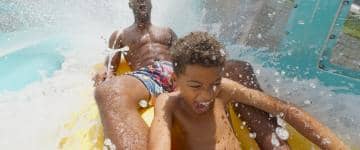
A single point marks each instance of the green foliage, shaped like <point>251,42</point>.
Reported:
<point>352,26</point>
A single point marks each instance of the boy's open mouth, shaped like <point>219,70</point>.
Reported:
<point>201,107</point>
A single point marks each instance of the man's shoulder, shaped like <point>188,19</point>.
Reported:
<point>162,28</point>
<point>120,32</point>
<point>115,35</point>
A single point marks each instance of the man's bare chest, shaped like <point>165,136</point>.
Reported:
<point>141,39</point>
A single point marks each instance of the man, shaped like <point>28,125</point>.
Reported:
<point>149,56</point>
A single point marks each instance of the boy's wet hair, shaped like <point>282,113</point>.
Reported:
<point>197,48</point>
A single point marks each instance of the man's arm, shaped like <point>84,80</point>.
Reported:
<point>160,130</point>
<point>296,117</point>
<point>115,42</point>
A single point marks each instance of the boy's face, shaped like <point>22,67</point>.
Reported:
<point>199,86</point>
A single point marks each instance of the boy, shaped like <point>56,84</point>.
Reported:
<point>196,110</point>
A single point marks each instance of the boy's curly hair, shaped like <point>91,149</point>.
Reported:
<point>197,48</point>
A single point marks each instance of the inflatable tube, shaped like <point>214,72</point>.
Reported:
<point>84,130</point>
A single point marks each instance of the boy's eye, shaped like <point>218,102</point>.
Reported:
<point>195,86</point>
<point>216,84</point>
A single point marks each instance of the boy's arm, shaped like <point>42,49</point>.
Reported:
<point>296,117</point>
<point>160,130</point>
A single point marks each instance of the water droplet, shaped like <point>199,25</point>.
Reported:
<point>236,105</point>
<point>214,88</point>
<point>307,102</point>
<point>301,22</point>
<point>325,141</point>
<point>278,80</point>
<point>282,133</point>
<point>108,145</point>
<point>276,90</point>
<point>258,71</point>
<point>312,85</point>
<point>280,121</point>
<point>281,114</point>
<point>213,58</point>
<point>143,103</point>
<point>271,115</point>
<point>222,52</point>
<point>227,74</point>
<point>274,140</point>
<point>283,73</point>
<point>244,123</point>
<point>252,135</point>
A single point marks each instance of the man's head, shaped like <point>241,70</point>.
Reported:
<point>198,61</point>
<point>141,9</point>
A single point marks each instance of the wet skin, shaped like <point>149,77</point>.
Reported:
<point>145,46</point>
<point>205,127</point>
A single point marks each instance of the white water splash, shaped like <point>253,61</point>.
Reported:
<point>274,140</point>
<point>33,116</point>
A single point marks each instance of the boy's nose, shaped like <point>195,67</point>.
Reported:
<point>207,95</point>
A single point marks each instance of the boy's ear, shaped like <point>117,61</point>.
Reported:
<point>130,5</point>
<point>173,77</point>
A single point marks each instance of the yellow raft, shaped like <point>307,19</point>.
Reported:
<point>84,129</point>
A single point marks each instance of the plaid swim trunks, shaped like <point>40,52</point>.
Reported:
<point>156,77</point>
